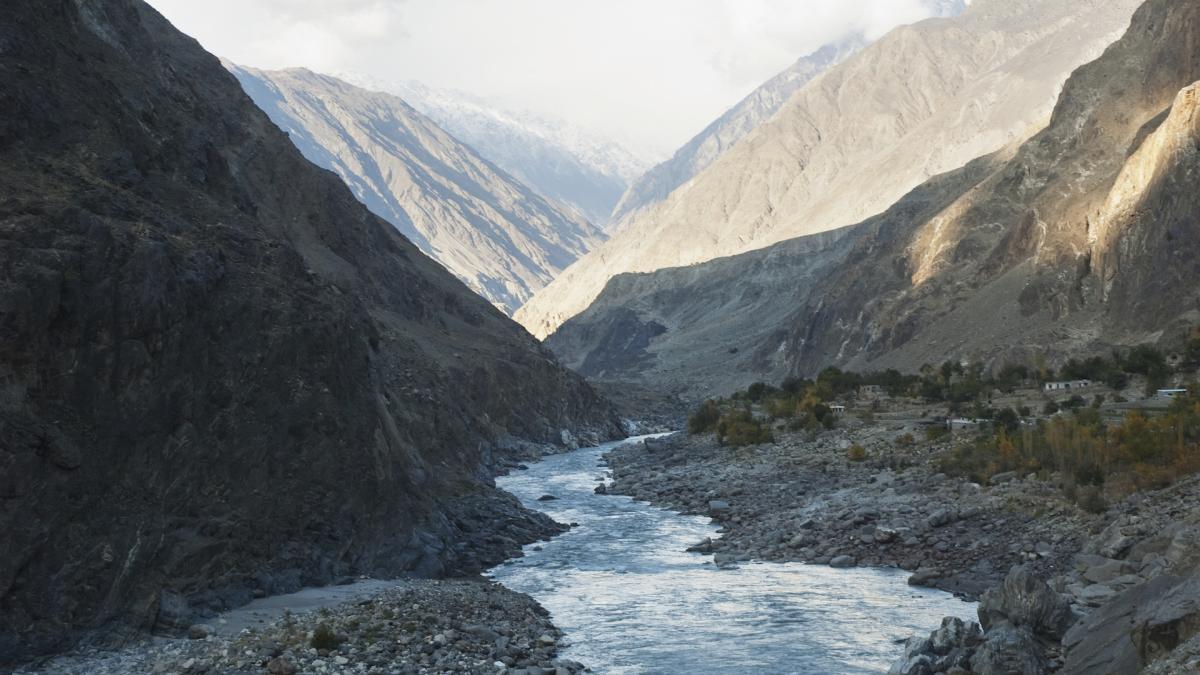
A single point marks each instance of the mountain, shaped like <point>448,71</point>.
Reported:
<point>498,236</point>
<point>563,163</point>
<point>922,100</point>
<point>220,374</point>
<point>1076,241</point>
<point>731,127</point>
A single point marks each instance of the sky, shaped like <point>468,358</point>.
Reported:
<point>647,73</point>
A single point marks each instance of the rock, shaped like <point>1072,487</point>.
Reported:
<point>601,489</point>
<point>843,561</point>
<point>1135,627</point>
<point>1001,478</point>
<point>941,518</point>
<point>199,631</point>
<point>1007,650</point>
<point>1025,601</point>
<point>1106,570</point>
<point>281,666</point>
<point>954,633</point>
<point>547,498</point>
<point>923,576</point>
<point>718,507</point>
<point>1096,594</point>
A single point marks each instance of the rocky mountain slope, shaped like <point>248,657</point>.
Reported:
<point>731,127</point>
<point>220,375</point>
<point>563,163</point>
<point>745,117</point>
<point>923,100</point>
<point>500,237</point>
<point>1077,240</point>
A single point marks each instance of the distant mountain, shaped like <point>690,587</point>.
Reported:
<point>698,153</point>
<point>500,237</point>
<point>922,100</point>
<point>731,127</point>
<point>561,162</point>
<point>1079,240</point>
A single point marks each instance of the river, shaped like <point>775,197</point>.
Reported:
<point>631,600</point>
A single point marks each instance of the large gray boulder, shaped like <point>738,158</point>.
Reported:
<point>1136,628</point>
<point>1025,601</point>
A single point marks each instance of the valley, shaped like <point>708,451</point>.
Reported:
<point>894,366</point>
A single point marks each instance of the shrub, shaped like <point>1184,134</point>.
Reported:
<point>936,432</point>
<point>1050,408</point>
<point>1091,500</point>
<point>324,638</point>
<point>705,418</point>
<point>857,453</point>
<point>739,428</point>
<point>905,441</point>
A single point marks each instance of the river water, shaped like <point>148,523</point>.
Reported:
<point>631,600</point>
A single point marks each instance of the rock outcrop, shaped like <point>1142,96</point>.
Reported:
<point>923,100</point>
<point>220,375</point>
<point>497,235</point>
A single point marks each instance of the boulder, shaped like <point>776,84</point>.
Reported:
<point>718,507</point>
<point>1009,649</point>
<point>1025,601</point>
<point>843,561</point>
<point>1136,627</point>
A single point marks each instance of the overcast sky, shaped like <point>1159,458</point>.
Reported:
<point>650,73</point>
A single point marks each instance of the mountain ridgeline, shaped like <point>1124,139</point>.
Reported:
<point>501,238</point>
<point>922,100</point>
<point>220,374</point>
<point>1080,239</point>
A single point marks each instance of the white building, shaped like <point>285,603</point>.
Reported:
<point>1069,385</point>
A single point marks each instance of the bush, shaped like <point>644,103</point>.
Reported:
<point>705,418</point>
<point>1050,408</point>
<point>905,441</point>
<point>324,638</point>
<point>857,453</point>
<point>1091,500</point>
<point>739,428</point>
<point>936,432</point>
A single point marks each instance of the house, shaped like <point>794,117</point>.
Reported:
<point>838,410</point>
<point>1172,393</point>
<point>961,423</point>
<point>872,392</point>
<point>1069,385</point>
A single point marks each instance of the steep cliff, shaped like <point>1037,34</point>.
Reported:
<point>923,100</point>
<point>219,373</point>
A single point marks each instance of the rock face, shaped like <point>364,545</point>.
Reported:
<point>923,100</point>
<point>219,373</point>
<point>1075,241</point>
<point>498,236</point>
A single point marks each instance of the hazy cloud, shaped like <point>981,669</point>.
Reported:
<point>650,72</point>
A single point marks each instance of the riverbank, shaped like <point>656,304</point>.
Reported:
<point>470,626</point>
<point>1121,585</point>
<point>803,499</point>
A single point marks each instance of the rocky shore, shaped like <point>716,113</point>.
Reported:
<point>1060,589</point>
<point>415,626</point>
<point>804,500</point>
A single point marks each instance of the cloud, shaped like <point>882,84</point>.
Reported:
<point>648,73</point>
